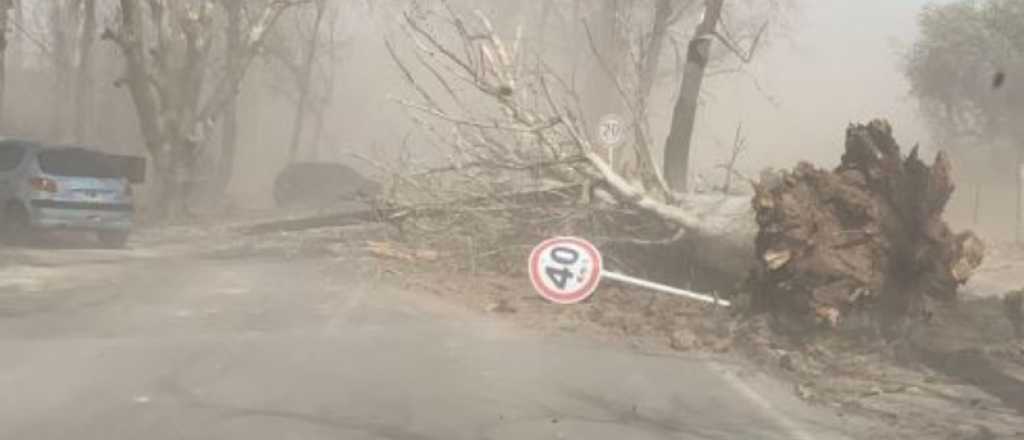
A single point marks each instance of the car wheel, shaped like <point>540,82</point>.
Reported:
<point>113,239</point>
<point>16,229</point>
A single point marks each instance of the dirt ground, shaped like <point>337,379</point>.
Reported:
<point>970,386</point>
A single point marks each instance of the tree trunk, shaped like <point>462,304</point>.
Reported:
<point>61,23</point>
<point>1018,227</point>
<point>318,131</point>
<point>646,78</point>
<point>228,147</point>
<point>652,52</point>
<point>601,95</point>
<point>677,146</point>
<point>868,236</point>
<point>84,85</point>
<point>542,25</point>
<point>144,96</point>
<point>305,82</point>
<point>5,8</point>
<point>229,119</point>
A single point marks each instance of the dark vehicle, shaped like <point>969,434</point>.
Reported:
<point>51,187</point>
<point>311,184</point>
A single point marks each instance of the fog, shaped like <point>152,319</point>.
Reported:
<point>839,62</point>
<point>827,63</point>
<point>834,63</point>
<point>489,264</point>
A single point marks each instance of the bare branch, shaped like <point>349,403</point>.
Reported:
<point>744,56</point>
<point>479,124</point>
<point>739,146</point>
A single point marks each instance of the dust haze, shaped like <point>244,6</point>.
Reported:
<point>826,64</point>
<point>505,219</point>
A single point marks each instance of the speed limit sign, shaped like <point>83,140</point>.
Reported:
<point>565,270</point>
<point>611,130</point>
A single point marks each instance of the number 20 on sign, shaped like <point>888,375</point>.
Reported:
<point>565,270</point>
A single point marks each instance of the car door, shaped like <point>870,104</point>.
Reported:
<point>11,156</point>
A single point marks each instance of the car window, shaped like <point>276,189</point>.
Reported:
<point>10,156</point>
<point>72,162</point>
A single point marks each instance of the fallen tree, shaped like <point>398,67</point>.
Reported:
<point>867,236</point>
<point>501,115</point>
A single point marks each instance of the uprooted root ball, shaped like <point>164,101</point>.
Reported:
<point>867,236</point>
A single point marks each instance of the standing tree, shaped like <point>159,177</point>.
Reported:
<point>84,87</point>
<point>305,77</point>
<point>967,72</point>
<point>308,51</point>
<point>177,88</point>
<point>677,146</point>
<point>64,19</point>
<point>229,122</point>
<point>698,56</point>
<point>630,40</point>
<point>5,8</point>
<point>652,37</point>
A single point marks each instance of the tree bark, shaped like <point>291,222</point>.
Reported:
<point>145,92</point>
<point>229,121</point>
<point>5,8</point>
<point>318,132</point>
<point>542,25</point>
<point>646,78</point>
<point>1018,225</point>
<point>305,82</point>
<point>84,93</point>
<point>652,53</point>
<point>61,54</point>
<point>144,96</point>
<point>168,83</point>
<point>601,95</point>
<point>677,146</point>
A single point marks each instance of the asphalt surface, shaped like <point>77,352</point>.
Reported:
<point>184,348</point>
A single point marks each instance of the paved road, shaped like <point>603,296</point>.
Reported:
<point>175,348</point>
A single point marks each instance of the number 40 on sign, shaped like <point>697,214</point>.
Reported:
<point>567,270</point>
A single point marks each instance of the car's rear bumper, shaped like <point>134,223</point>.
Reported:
<point>87,216</point>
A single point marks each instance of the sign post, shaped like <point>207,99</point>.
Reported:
<point>567,270</point>
<point>611,131</point>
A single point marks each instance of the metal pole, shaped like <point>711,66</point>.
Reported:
<point>663,288</point>
<point>977,203</point>
<point>1020,182</point>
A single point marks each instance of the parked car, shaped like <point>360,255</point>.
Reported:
<point>66,187</point>
<point>309,184</point>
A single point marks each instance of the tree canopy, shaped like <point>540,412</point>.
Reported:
<point>967,70</point>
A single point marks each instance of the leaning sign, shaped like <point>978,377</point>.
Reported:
<point>567,270</point>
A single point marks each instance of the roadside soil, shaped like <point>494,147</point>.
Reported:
<point>960,375</point>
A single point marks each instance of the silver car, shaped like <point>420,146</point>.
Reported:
<point>72,188</point>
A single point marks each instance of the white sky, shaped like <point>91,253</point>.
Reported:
<point>840,64</point>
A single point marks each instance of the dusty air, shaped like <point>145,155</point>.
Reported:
<point>508,220</point>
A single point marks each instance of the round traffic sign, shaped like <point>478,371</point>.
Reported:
<point>565,270</point>
<point>611,130</point>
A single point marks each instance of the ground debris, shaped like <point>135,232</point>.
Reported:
<point>395,250</point>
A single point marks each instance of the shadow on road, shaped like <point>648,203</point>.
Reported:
<point>58,240</point>
<point>974,368</point>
